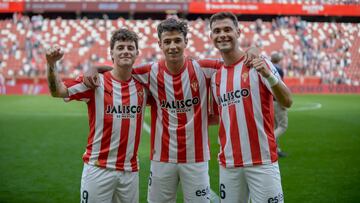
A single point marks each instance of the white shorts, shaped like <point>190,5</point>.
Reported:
<point>259,183</point>
<point>165,177</point>
<point>99,185</point>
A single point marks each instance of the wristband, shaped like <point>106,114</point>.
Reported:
<point>272,80</point>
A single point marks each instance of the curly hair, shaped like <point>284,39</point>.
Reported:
<point>123,34</point>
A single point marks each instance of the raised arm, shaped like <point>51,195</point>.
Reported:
<point>56,86</point>
<point>279,89</point>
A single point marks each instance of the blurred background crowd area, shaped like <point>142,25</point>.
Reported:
<point>327,50</point>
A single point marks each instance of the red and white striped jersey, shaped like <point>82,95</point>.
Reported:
<point>179,110</point>
<point>245,105</point>
<point>115,111</point>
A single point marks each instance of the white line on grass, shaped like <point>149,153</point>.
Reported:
<point>213,196</point>
<point>307,107</point>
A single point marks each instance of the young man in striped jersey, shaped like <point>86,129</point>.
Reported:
<point>179,121</point>
<point>244,97</point>
<point>115,112</point>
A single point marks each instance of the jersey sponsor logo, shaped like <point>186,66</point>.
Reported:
<point>277,198</point>
<point>180,106</point>
<point>125,111</point>
<point>233,97</point>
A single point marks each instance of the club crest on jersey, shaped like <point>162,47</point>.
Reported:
<point>245,76</point>
<point>194,85</point>
<point>141,93</point>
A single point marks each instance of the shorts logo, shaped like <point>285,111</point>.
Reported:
<point>276,199</point>
<point>203,192</point>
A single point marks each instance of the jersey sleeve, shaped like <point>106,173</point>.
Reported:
<point>272,68</point>
<point>141,73</point>
<point>209,66</point>
<point>78,90</point>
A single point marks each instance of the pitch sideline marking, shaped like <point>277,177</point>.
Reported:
<point>310,106</point>
<point>213,196</point>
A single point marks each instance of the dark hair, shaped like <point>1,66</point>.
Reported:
<point>172,24</point>
<point>223,15</point>
<point>123,35</point>
<point>276,57</point>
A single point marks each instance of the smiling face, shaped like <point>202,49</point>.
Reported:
<point>173,44</point>
<point>124,53</point>
<point>224,34</point>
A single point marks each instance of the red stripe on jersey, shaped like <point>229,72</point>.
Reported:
<point>142,69</point>
<point>92,119</point>
<point>199,153</point>
<point>138,129</point>
<point>164,157</point>
<point>181,117</point>
<point>222,133</point>
<point>267,109</point>
<point>153,111</point>
<point>250,120</point>
<point>234,128</point>
<point>125,125</point>
<point>212,64</point>
<point>107,129</point>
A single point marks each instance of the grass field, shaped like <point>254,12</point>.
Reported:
<point>42,141</point>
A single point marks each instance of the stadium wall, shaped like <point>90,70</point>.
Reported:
<point>38,86</point>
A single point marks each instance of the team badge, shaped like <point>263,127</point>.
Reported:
<point>194,85</point>
<point>141,93</point>
<point>245,76</point>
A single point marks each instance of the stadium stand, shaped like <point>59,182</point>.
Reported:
<point>330,52</point>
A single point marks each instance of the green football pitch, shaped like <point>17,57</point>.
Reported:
<point>42,140</point>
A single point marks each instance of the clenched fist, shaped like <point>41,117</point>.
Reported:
<point>54,54</point>
<point>260,65</point>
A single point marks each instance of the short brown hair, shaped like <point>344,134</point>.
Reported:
<point>172,24</point>
<point>224,15</point>
<point>123,35</point>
